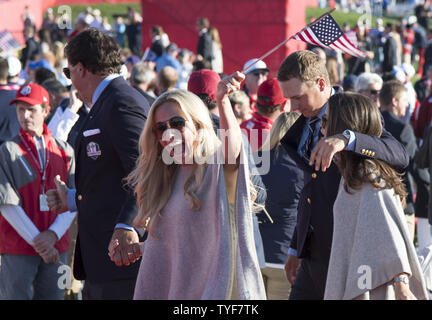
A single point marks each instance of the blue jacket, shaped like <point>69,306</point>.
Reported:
<point>168,60</point>
<point>283,184</point>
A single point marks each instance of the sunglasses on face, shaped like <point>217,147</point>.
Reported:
<point>374,92</point>
<point>66,72</point>
<point>259,73</point>
<point>173,123</point>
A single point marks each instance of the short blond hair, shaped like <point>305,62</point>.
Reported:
<point>304,65</point>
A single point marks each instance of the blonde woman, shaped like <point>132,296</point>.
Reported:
<point>217,62</point>
<point>194,199</point>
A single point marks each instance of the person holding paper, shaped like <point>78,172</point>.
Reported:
<point>33,240</point>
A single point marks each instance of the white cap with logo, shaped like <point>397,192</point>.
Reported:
<point>260,65</point>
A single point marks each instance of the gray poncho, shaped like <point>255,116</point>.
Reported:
<point>371,245</point>
<point>198,254</point>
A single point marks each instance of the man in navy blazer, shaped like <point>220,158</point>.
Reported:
<point>205,43</point>
<point>304,79</point>
<point>105,149</point>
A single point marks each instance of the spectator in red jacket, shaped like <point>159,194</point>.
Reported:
<point>270,104</point>
<point>33,240</point>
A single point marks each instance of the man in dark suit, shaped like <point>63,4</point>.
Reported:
<point>106,149</point>
<point>394,101</point>
<point>205,43</point>
<point>9,125</point>
<point>32,47</point>
<point>390,50</point>
<point>304,79</point>
<point>157,44</point>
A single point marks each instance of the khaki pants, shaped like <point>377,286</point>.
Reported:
<point>276,284</point>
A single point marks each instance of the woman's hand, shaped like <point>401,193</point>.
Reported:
<point>231,135</point>
<point>229,84</point>
<point>402,289</point>
<point>403,292</point>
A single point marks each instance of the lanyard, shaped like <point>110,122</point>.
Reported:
<point>41,167</point>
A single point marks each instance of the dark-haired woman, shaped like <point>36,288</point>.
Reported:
<point>372,256</point>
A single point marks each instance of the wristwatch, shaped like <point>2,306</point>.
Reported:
<point>401,279</point>
<point>347,135</point>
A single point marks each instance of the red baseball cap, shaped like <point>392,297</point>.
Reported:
<point>270,93</point>
<point>204,81</point>
<point>33,94</point>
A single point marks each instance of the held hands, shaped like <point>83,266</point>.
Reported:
<point>124,247</point>
<point>229,84</point>
<point>57,198</point>
<point>326,148</point>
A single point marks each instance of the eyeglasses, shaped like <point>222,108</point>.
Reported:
<point>66,72</point>
<point>258,73</point>
<point>374,92</point>
<point>173,123</point>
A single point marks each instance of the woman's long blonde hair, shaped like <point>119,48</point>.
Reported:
<point>279,128</point>
<point>152,179</point>
<point>214,34</point>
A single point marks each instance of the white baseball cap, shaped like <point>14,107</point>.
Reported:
<point>260,65</point>
<point>408,69</point>
<point>412,20</point>
<point>14,66</point>
<point>399,73</point>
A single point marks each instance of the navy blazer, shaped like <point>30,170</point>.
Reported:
<point>404,133</point>
<point>283,183</point>
<point>314,229</point>
<point>205,46</point>
<point>106,149</point>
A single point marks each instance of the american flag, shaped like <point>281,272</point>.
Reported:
<point>326,33</point>
<point>7,42</point>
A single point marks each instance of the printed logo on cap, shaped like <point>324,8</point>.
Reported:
<point>25,91</point>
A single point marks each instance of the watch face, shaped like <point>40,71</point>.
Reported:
<point>346,134</point>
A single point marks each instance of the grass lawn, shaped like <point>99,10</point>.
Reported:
<point>107,9</point>
<point>341,17</point>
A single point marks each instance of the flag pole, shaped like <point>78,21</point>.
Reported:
<point>286,40</point>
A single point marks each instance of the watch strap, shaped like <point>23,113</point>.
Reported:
<point>401,279</point>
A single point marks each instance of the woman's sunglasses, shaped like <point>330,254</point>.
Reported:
<point>66,72</point>
<point>173,123</point>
